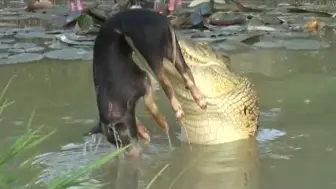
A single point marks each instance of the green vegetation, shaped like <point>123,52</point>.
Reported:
<point>29,140</point>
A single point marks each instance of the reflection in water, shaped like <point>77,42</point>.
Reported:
<point>297,94</point>
<point>234,165</point>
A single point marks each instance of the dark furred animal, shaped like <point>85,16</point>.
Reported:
<point>120,83</point>
<point>152,36</point>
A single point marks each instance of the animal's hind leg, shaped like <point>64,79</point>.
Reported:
<point>154,59</point>
<point>153,109</point>
<point>169,91</point>
<point>184,70</point>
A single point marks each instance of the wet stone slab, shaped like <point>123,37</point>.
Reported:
<point>5,46</point>
<point>305,44</point>
<point>22,58</point>
<point>73,39</point>
<point>223,46</point>
<point>27,50</point>
<point>4,55</point>
<point>24,45</point>
<point>270,44</point>
<point>32,35</point>
<point>69,54</point>
<point>7,41</point>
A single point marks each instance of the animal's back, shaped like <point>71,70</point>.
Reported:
<point>148,30</point>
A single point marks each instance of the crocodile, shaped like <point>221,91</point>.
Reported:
<point>233,105</point>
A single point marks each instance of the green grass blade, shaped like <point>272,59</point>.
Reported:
<point>60,183</point>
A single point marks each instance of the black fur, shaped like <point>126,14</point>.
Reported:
<point>150,33</point>
<point>118,82</point>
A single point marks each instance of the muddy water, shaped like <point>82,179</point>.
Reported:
<point>295,146</point>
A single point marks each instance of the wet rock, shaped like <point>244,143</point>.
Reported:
<point>4,55</point>
<point>24,57</point>
<point>261,28</point>
<point>31,29</point>
<point>27,50</point>
<point>289,35</point>
<point>24,45</point>
<point>227,18</point>
<point>305,44</point>
<point>283,5</point>
<point>68,54</point>
<point>270,19</point>
<point>75,39</point>
<point>247,38</point>
<point>14,18</point>
<point>209,40</point>
<point>16,50</point>
<point>9,13</point>
<point>81,38</point>
<point>14,30</point>
<point>33,5</point>
<point>312,9</point>
<point>222,46</point>
<point>31,35</point>
<point>231,29</point>
<point>5,24</point>
<point>255,21</point>
<point>5,46</point>
<point>269,44</point>
<point>34,49</point>
<point>54,32</point>
<point>256,24</point>
<point>7,41</point>
<point>58,45</point>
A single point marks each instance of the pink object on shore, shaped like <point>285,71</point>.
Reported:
<point>79,5</point>
<point>75,5</point>
<point>71,6</point>
<point>171,5</point>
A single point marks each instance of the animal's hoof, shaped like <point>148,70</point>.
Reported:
<point>144,135</point>
<point>179,114</point>
<point>133,152</point>
<point>164,124</point>
<point>203,104</point>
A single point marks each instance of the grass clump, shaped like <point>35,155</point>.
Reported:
<point>30,139</point>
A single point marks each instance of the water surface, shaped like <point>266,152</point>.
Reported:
<point>295,147</point>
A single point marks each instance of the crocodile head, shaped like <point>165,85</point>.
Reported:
<point>233,109</point>
<point>211,69</point>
